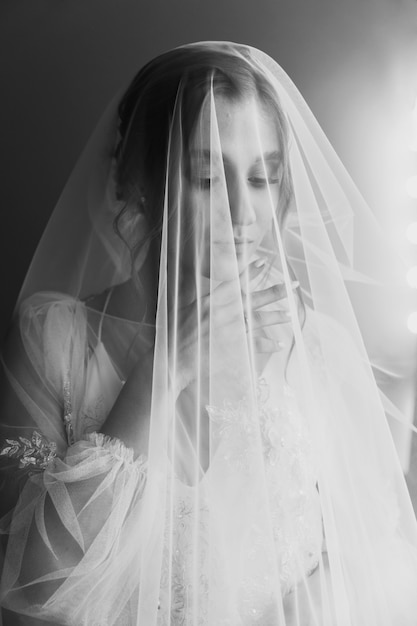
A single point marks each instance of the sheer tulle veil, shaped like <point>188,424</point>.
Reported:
<point>270,490</point>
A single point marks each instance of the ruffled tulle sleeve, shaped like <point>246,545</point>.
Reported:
<point>70,536</point>
<point>69,495</point>
<point>44,347</point>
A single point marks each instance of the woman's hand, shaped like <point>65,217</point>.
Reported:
<point>209,331</point>
<point>205,345</point>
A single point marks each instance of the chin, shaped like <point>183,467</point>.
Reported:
<point>225,266</point>
<point>227,271</point>
<point>223,276</point>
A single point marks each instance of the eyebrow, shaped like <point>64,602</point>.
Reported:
<point>274,155</point>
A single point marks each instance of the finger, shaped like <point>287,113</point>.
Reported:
<point>252,274</point>
<point>260,319</point>
<point>256,268</point>
<point>265,345</point>
<point>262,297</point>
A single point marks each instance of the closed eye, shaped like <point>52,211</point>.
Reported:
<point>257,181</point>
<point>205,182</point>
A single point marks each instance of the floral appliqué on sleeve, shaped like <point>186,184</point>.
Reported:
<point>35,453</point>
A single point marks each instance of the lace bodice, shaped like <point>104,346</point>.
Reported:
<point>294,510</point>
<point>292,494</point>
<point>275,426</point>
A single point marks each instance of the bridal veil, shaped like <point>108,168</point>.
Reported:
<point>269,490</point>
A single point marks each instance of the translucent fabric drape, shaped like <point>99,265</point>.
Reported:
<point>269,491</point>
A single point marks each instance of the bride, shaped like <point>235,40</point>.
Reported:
<point>191,431</point>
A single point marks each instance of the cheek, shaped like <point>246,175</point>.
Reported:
<point>199,203</point>
<point>266,206</point>
<point>195,209</point>
<point>213,214</point>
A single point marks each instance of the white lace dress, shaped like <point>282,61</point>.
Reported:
<point>292,496</point>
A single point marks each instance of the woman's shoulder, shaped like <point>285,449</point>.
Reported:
<point>45,307</point>
<point>45,316</point>
<point>48,325</point>
<point>41,302</point>
<point>38,305</point>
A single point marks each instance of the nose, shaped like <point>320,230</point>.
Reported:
<point>241,206</point>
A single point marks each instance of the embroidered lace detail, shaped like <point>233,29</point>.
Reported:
<point>118,449</point>
<point>241,431</point>
<point>68,411</point>
<point>185,588</point>
<point>282,435</point>
<point>35,453</point>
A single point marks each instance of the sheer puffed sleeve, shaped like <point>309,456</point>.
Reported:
<point>68,494</point>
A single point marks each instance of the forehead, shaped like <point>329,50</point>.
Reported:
<point>243,127</point>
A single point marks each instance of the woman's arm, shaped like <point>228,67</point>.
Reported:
<point>129,417</point>
<point>84,493</point>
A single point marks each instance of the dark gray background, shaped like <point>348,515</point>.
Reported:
<point>355,61</point>
<point>61,61</point>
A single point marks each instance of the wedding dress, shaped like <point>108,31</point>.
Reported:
<point>270,491</point>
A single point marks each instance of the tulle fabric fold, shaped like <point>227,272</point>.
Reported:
<point>271,492</point>
<point>96,492</point>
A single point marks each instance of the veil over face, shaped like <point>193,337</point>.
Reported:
<point>210,224</point>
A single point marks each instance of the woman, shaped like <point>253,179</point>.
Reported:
<point>192,432</point>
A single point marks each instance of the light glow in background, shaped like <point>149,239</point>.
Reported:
<point>355,62</point>
<point>411,232</point>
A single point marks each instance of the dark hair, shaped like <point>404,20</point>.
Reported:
<point>148,108</point>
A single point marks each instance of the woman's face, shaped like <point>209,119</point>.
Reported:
<point>231,185</point>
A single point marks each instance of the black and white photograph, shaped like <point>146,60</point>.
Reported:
<point>208,368</point>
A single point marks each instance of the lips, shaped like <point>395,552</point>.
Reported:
<point>240,241</point>
<point>236,242</point>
